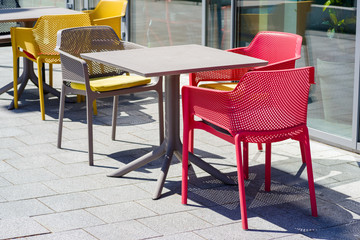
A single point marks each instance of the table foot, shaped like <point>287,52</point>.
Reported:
<point>151,156</point>
<point>164,171</point>
<point>6,88</point>
<point>20,91</point>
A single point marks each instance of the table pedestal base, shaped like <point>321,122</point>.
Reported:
<point>172,144</point>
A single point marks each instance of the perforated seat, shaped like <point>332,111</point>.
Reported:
<point>37,44</point>
<point>95,80</point>
<point>264,107</point>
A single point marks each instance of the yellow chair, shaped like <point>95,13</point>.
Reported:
<point>38,43</point>
<point>109,13</point>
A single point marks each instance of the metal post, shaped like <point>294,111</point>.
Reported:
<point>204,27</point>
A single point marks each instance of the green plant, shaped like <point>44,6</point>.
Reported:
<point>337,22</point>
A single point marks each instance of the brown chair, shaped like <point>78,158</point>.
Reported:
<point>95,80</point>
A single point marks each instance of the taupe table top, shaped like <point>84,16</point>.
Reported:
<point>173,60</point>
<point>31,14</point>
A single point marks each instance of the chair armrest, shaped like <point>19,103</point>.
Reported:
<point>23,38</point>
<point>208,104</point>
<point>220,75</point>
<point>131,45</point>
<point>286,64</point>
<point>74,69</point>
<point>87,11</point>
<point>100,21</point>
<point>239,50</point>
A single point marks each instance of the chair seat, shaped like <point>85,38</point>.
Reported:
<point>104,84</point>
<point>220,86</point>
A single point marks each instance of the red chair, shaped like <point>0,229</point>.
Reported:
<point>280,49</point>
<point>264,107</point>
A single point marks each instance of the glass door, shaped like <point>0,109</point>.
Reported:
<point>328,29</point>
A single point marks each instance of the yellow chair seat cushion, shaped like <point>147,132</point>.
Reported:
<point>104,84</point>
<point>220,86</point>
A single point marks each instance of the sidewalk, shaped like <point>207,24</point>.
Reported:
<point>51,193</point>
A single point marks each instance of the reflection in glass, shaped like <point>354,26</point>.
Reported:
<point>165,22</point>
<point>328,31</point>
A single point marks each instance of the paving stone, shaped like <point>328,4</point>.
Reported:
<point>23,208</point>
<point>4,183</point>
<point>349,231</point>
<point>75,170</point>
<point>174,223</point>
<point>129,230</point>
<point>9,142</point>
<point>20,227</point>
<point>34,150</point>
<point>120,194</point>
<point>68,235</point>
<point>232,231</point>
<point>28,176</point>
<point>180,236</point>
<point>74,184</point>
<point>168,204</point>
<point>7,154</point>
<point>121,212</point>
<point>64,221</point>
<point>32,162</point>
<point>72,201</point>
<point>293,237</point>
<point>25,191</point>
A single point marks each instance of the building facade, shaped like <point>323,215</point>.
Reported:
<point>328,28</point>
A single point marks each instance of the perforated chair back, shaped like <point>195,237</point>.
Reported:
<point>88,39</point>
<point>109,8</point>
<point>46,28</point>
<point>280,49</point>
<point>274,46</point>
<point>109,13</point>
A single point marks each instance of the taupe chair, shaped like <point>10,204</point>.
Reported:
<point>95,80</point>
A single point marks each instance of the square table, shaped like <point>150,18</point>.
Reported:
<point>27,17</point>
<point>170,62</point>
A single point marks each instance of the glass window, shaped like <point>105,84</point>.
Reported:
<point>164,23</point>
<point>328,31</point>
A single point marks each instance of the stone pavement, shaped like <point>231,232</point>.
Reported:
<point>51,193</point>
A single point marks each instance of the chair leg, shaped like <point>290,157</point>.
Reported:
<point>302,149</point>
<point>94,107</point>
<point>185,163</point>
<point>246,159</point>
<point>161,115</point>
<point>41,90</point>
<point>89,111</point>
<point>15,80</point>
<point>114,117</point>
<point>61,114</point>
<point>310,174</point>
<point>241,183</point>
<point>267,167</point>
<point>191,141</point>
<point>260,147</point>
<point>51,74</point>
